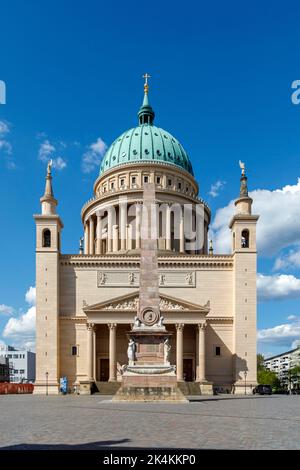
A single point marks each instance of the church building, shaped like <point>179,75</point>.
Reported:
<point>87,302</point>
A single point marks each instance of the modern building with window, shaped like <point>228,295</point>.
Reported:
<point>282,363</point>
<point>21,364</point>
<point>4,369</point>
<point>86,302</point>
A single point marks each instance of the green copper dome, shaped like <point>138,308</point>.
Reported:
<point>146,143</point>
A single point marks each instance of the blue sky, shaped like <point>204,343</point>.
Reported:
<point>221,83</point>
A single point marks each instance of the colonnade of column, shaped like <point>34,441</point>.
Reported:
<point>119,236</point>
<point>112,328</point>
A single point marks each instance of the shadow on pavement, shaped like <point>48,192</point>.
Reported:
<point>87,446</point>
<point>226,397</point>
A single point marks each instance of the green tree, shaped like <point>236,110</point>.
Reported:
<point>260,362</point>
<point>268,377</point>
<point>294,376</point>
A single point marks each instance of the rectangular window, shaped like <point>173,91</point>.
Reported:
<point>112,185</point>
<point>16,356</point>
<point>122,182</point>
<point>74,350</point>
<point>146,179</point>
<point>218,350</point>
<point>22,371</point>
<point>169,182</point>
<point>133,180</point>
<point>158,180</point>
<point>179,185</point>
<point>16,371</point>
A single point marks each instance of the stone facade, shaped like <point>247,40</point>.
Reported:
<point>86,302</point>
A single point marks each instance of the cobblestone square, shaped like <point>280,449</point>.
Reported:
<point>93,422</point>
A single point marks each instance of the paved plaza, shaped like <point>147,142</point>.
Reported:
<point>93,422</point>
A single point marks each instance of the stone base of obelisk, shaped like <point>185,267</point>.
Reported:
<point>150,377</point>
<point>150,383</point>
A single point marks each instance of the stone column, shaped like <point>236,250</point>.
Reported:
<point>112,352</point>
<point>197,352</point>
<point>94,354</point>
<point>168,228</point>
<point>181,234</point>
<point>129,237</point>
<point>86,238</point>
<point>138,226</point>
<point>201,352</point>
<point>109,231</point>
<point>92,236</point>
<point>179,351</point>
<point>115,238</point>
<point>90,333</point>
<point>99,236</point>
<point>122,225</point>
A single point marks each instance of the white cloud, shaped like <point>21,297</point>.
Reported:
<point>59,163</point>
<point>41,135</point>
<point>292,317</point>
<point>4,128</point>
<point>278,287</point>
<point>47,152</point>
<point>216,188</point>
<point>30,296</point>
<point>5,145</point>
<point>21,330</point>
<point>289,261</point>
<point>279,223</point>
<point>281,335</point>
<point>93,156</point>
<point>296,344</point>
<point>6,309</point>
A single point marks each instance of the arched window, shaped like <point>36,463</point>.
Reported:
<point>233,241</point>
<point>245,239</point>
<point>46,238</point>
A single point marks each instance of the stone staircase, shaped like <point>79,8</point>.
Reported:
<point>189,388</point>
<point>107,388</point>
<point>110,388</point>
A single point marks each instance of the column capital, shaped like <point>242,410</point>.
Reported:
<point>112,326</point>
<point>202,326</point>
<point>90,326</point>
<point>179,326</point>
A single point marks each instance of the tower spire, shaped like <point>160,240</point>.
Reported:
<point>146,113</point>
<point>244,202</point>
<point>243,185</point>
<point>48,201</point>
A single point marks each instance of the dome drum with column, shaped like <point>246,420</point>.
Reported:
<point>144,154</point>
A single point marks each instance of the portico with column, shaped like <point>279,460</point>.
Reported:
<point>108,323</point>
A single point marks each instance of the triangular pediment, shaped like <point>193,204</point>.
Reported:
<point>130,302</point>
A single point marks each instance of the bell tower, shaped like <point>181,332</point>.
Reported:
<point>243,229</point>
<point>48,231</point>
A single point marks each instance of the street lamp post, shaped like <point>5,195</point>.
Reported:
<point>245,374</point>
<point>47,373</point>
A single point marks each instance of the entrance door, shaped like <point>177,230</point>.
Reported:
<point>104,370</point>
<point>188,370</point>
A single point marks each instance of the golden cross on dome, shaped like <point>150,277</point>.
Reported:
<point>146,86</point>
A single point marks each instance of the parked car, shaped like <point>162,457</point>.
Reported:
<point>262,390</point>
